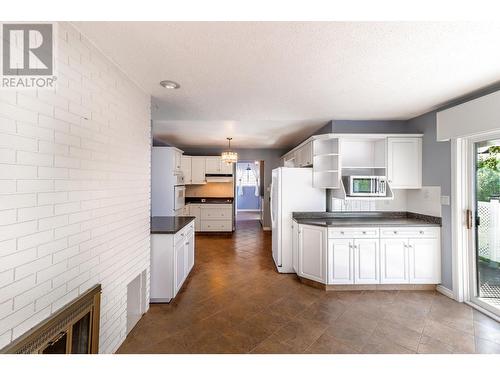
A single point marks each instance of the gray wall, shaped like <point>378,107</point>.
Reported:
<point>271,159</point>
<point>436,171</point>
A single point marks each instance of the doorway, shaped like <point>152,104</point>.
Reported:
<point>248,191</point>
<point>485,243</point>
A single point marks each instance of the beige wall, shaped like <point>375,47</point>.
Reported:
<point>212,189</point>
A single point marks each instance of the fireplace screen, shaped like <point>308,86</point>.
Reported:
<point>74,329</point>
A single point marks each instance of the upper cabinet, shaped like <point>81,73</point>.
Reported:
<point>186,168</point>
<point>177,161</point>
<point>331,156</point>
<point>404,163</point>
<point>198,170</point>
<point>213,165</point>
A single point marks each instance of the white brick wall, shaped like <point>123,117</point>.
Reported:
<point>74,191</point>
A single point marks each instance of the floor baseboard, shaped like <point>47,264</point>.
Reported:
<point>266,228</point>
<point>445,291</point>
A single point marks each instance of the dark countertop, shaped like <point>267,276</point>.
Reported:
<point>209,200</point>
<point>169,224</point>
<point>360,219</point>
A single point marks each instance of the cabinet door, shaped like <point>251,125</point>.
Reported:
<point>186,168</point>
<point>190,251</point>
<point>404,163</point>
<point>394,261</point>
<point>425,260</point>
<point>295,247</point>
<point>179,264</point>
<point>312,253</point>
<point>195,210</point>
<point>213,164</point>
<point>177,161</point>
<point>307,158</point>
<point>198,170</point>
<point>226,168</point>
<point>366,261</point>
<point>340,261</point>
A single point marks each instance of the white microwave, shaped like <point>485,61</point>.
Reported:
<point>365,186</point>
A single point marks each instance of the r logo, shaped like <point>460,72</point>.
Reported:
<point>27,49</point>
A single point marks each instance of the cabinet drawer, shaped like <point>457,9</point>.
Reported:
<point>362,232</point>
<point>216,226</point>
<point>409,232</point>
<point>216,213</point>
<point>184,232</point>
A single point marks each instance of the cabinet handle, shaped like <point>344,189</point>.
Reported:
<point>364,232</point>
<point>421,232</point>
<point>395,232</point>
<point>341,232</point>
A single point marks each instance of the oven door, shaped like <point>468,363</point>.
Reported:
<point>179,197</point>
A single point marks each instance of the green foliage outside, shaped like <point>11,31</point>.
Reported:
<point>488,174</point>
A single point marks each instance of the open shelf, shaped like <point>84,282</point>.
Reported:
<point>341,194</point>
<point>326,179</point>
<point>326,146</point>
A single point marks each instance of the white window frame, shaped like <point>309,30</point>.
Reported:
<point>463,239</point>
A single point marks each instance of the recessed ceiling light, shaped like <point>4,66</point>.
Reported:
<point>170,84</point>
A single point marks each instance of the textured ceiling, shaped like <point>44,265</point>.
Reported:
<point>270,83</point>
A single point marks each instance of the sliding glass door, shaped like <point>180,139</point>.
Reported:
<point>485,283</point>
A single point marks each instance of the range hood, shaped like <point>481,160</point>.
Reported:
<point>219,177</point>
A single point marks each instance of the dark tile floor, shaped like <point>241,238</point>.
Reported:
<point>235,302</point>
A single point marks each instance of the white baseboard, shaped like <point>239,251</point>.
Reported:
<point>445,291</point>
<point>266,228</point>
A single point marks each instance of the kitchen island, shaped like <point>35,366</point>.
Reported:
<point>367,250</point>
<point>172,255</point>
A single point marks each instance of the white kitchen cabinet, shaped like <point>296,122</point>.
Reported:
<point>186,168</point>
<point>312,253</point>
<point>404,163</point>
<point>198,170</point>
<point>177,161</point>
<point>195,210</point>
<point>340,261</point>
<point>424,260</point>
<point>172,258</point>
<point>295,247</point>
<point>366,261</point>
<point>394,261</point>
<point>190,250</point>
<point>226,168</point>
<point>180,264</point>
<point>213,164</point>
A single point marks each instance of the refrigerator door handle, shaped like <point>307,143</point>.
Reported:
<point>271,205</point>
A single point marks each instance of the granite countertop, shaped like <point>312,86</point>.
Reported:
<point>209,200</point>
<point>169,224</point>
<point>360,219</point>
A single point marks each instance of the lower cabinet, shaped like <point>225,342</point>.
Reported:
<point>312,257</point>
<point>394,261</point>
<point>295,247</point>
<point>172,258</point>
<point>407,255</point>
<point>212,217</point>
<point>340,261</point>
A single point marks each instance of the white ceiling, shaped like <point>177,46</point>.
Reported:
<point>269,84</point>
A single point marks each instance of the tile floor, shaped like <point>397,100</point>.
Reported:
<point>235,302</point>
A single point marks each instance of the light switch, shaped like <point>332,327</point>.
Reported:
<point>445,200</point>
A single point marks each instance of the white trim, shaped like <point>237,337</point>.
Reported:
<point>445,291</point>
<point>483,310</point>
<point>266,228</point>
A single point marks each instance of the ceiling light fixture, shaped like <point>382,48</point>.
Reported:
<point>170,84</point>
<point>229,156</point>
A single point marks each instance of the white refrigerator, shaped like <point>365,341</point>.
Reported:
<point>291,191</point>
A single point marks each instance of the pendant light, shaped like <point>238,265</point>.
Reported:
<point>229,156</point>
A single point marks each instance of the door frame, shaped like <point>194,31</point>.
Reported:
<point>463,238</point>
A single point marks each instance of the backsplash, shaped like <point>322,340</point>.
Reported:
<point>424,201</point>
<point>211,189</point>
